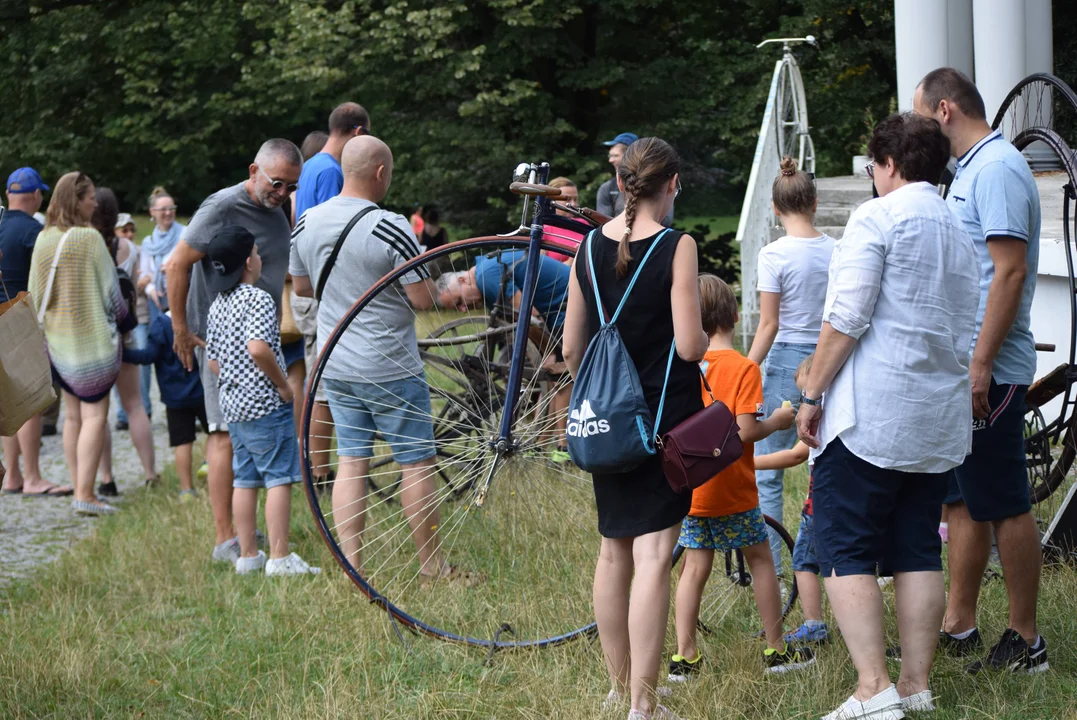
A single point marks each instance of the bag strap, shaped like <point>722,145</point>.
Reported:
<point>665,383</point>
<point>628,291</point>
<point>336,250</point>
<point>52,276</point>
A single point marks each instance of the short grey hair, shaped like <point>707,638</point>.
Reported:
<point>449,281</point>
<point>279,150</point>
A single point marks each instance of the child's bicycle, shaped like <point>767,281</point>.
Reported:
<point>516,520</point>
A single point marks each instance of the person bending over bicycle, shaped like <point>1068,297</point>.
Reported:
<point>491,282</point>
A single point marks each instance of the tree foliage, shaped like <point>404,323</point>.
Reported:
<point>181,92</point>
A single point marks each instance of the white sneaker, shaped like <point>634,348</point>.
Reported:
<point>660,712</point>
<point>884,706</point>
<point>246,565</point>
<point>227,552</point>
<point>290,565</point>
<point>922,701</point>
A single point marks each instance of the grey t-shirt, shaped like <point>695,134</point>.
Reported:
<point>380,345</point>
<point>611,202</point>
<point>271,230</point>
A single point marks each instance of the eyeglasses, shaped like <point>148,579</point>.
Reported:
<point>677,193</point>
<point>278,184</point>
<point>168,209</point>
<point>870,170</point>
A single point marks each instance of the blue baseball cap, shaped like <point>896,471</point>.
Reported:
<point>25,180</point>
<point>622,139</point>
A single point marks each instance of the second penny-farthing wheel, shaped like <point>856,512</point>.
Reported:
<point>1040,114</point>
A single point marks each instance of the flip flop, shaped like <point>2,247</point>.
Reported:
<point>17,491</point>
<point>51,492</point>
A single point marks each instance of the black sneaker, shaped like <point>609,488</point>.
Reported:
<point>949,646</point>
<point>122,425</point>
<point>681,668</point>
<point>108,489</point>
<point>1014,654</point>
<point>788,661</point>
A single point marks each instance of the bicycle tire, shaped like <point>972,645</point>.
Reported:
<point>736,560</point>
<point>495,595</point>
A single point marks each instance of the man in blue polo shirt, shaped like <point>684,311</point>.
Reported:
<point>19,230</point>
<point>994,195</point>
<point>18,233</point>
<point>322,177</point>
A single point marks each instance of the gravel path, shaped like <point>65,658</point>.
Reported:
<point>37,530</point>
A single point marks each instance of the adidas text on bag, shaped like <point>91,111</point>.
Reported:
<point>610,428</point>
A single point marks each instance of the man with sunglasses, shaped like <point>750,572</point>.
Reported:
<point>254,204</point>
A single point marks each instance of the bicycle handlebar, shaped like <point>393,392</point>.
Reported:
<point>535,190</point>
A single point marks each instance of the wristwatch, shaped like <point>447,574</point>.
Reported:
<point>805,400</point>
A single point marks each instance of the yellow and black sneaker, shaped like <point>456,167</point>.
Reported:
<point>789,660</point>
<point>681,668</point>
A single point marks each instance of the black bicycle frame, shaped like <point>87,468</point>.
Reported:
<point>503,442</point>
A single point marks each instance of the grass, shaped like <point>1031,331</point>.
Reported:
<point>719,224</point>
<point>135,622</point>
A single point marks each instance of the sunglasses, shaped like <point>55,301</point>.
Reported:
<point>677,193</point>
<point>870,169</point>
<point>278,184</point>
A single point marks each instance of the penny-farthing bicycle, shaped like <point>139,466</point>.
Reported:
<point>1042,110</point>
<point>515,522</point>
<point>514,519</point>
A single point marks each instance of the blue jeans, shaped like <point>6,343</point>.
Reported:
<point>265,452</point>
<point>779,371</point>
<point>140,334</point>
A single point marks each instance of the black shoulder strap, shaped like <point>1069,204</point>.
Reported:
<point>336,250</point>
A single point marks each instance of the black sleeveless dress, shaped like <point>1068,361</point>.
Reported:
<point>640,501</point>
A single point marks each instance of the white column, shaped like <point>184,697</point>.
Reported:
<point>999,34</point>
<point>1039,57</point>
<point>959,36</point>
<point>920,42</point>
<point>1039,40</point>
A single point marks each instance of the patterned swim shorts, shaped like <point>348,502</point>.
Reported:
<point>725,533</point>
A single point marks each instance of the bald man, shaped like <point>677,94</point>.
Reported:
<point>374,380</point>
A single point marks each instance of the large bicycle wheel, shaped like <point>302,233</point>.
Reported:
<point>728,593</point>
<point>518,527</point>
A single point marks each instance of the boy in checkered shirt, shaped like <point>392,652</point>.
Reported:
<point>243,348</point>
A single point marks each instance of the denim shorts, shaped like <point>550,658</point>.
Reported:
<point>993,480</point>
<point>265,452</point>
<point>804,559</point>
<point>870,519</point>
<point>725,533</point>
<point>397,411</point>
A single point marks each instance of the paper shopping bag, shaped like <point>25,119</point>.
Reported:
<point>25,374</point>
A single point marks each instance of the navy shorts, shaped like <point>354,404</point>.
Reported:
<point>804,558</point>
<point>872,520</point>
<point>293,352</point>
<point>993,480</point>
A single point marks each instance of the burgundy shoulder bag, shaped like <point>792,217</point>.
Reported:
<point>701,446</point>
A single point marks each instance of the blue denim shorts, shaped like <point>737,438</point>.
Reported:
<point>396,411</point>
<point>725,533</point>
<point>265,452</point>
<point>804,559</point>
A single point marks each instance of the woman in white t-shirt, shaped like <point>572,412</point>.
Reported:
<point>792,284</point>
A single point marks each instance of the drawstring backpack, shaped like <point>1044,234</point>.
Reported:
<point>610,429</point>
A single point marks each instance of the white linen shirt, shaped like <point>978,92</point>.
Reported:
<point>904,281</point>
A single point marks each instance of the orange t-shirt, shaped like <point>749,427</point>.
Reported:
<point>737,382</point>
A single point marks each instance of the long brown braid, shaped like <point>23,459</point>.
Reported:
<point>647,166</point>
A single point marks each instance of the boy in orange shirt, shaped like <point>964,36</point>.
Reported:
<point>725,513</point>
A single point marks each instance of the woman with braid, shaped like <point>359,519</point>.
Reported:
<point>639,516</point>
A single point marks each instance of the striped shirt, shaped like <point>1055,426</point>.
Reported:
<point>382,345</point>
